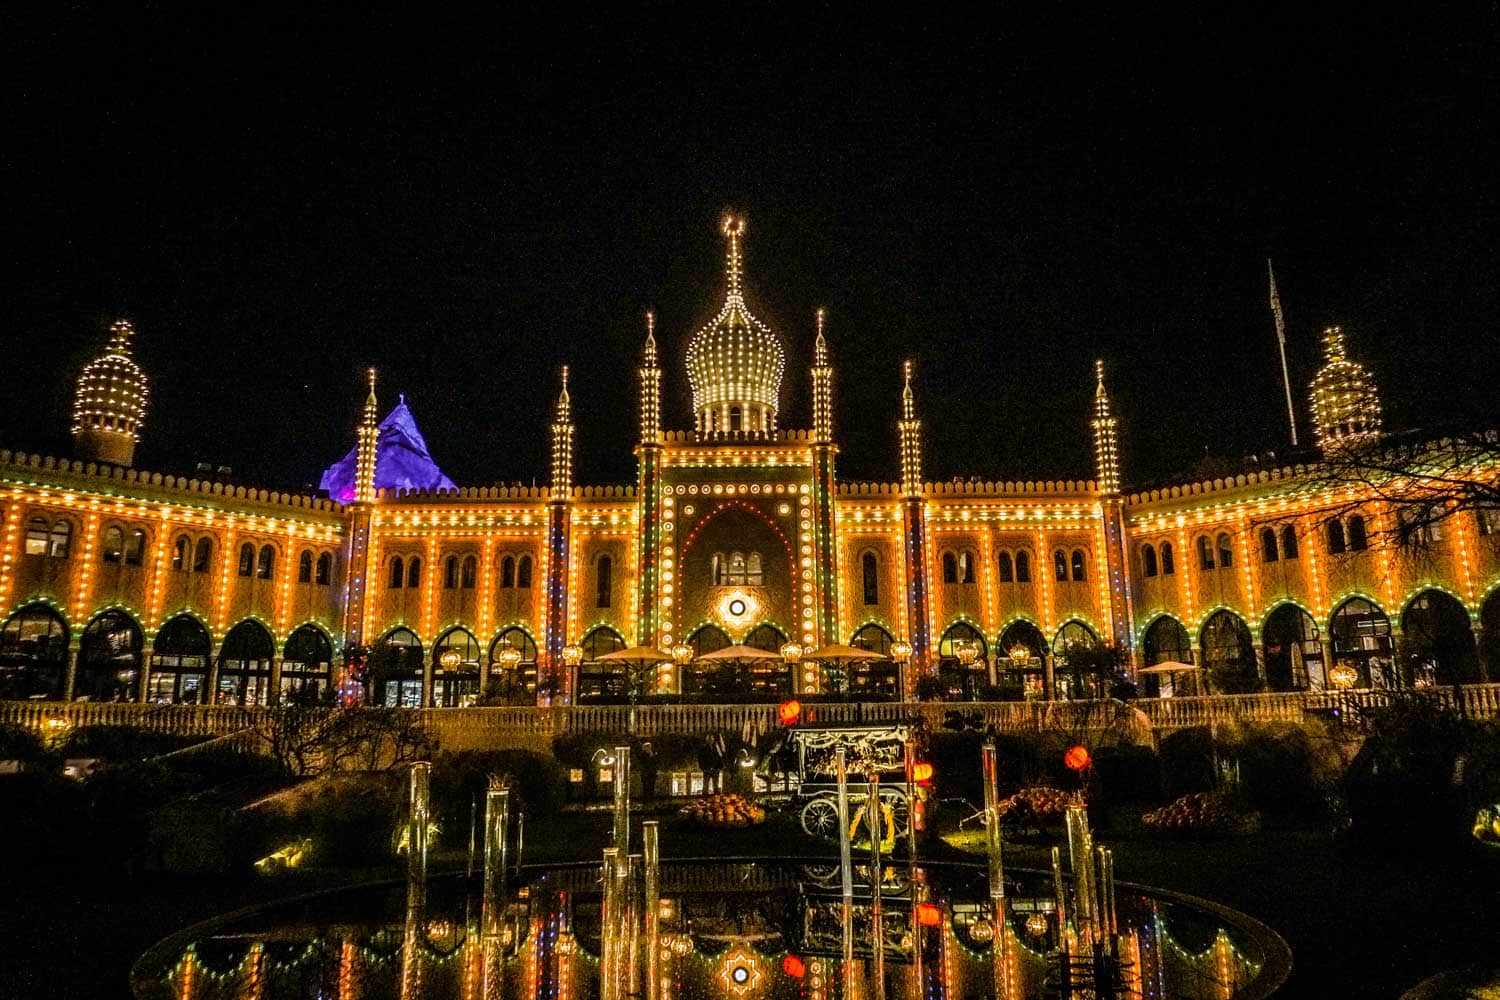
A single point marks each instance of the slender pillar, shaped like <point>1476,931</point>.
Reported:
<point>559,547</point>
<point>651,857</point>
<point>846,867</point>
<point>877,917</point>
<point>914,533</point>
<point>210,696</point>
<point>622,801</point>
<point>70,677</point>
<point>418,814</point>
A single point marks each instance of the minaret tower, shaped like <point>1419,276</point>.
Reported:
<point>914,528</point>
<point>1112,515</point>
<point>648,493</point>
<point>110,402</point>
<point>825,489</point>
<point>369,440</point>
<point>559,543</point>
<point>357,583</point>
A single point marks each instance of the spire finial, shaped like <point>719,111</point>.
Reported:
<point>820,346</point>
<point>1099,376</point>
<point>733,228</point>
<point>371,398</point>
<point>1333,344</point>
<point>120,332</point>
<point>651,329</point>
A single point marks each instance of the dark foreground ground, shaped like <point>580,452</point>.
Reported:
<point>1360,924</point>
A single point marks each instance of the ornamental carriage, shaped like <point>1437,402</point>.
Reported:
<point>870,749</point>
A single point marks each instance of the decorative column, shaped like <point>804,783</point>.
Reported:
<point>648,496</point>
<point>914,530</point>
<point>1112,563</point>
<point>825,491</point>
<point>558,546</point>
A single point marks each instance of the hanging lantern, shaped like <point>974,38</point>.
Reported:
<point>1344,675</point>
<point>1036,924</point>
<point>682,654</point>
<point>1077,758</point>
<point>791,652</point>
<point>572,654</point>
<point>509,658</point>
<point>982,931</point>
<point>901,651</point>
<point>449,659</point>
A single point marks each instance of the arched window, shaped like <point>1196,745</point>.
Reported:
<point>450,573</point>
<point>179,661</point>
<point>961,632</point>
<point>1167,641</point>
<point>247,560</point>
<point>1004,568</point>
<point>1362,635</point>
<point>325,569</point>
<point>398,573</point>
<point>304,567</point>
<point>708,639</point>
<point>950,568</point>
<point>135,548</point>
<point>33,654</point>
<point>1336,542</point>
<point>1060,565</point>
<point>1288,542</point>
<point>1226,551</point>
<point>508,572</point>
<point>603,581</point>
<point>307,663</point>
<point>245,665</point>
<point>754,573</point>
<point>1229,653</point>
<point>37,533</point>
<point>180,554</point>
<point>966,567</point>
<point>1268,551</point>
<point>1078,565</point>
<point>203,554</point>
<point>469,573</point>
<point>767,637</point>
<point>1205,553</point>
<point>1148,559</point>
<point>1168,567</point>
<point>601,642</point>
<point>1023,566</point>
<point>60,540</point>
<point>266,565</point>
<point>523,573</point>
<point>1074,634</point>
<point>870,571</point>
<point>1358,540</point>
<point>414,572</point>
<point>874,638</point>
<point>114,545</point>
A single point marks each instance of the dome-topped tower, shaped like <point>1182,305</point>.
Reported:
<point>1345,403</point>
<point>735,362</point>
<point>110,403</point>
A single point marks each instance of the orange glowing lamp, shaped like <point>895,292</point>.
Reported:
<point>1077,758</point>
<point>794,966</point>
<point>929,914</point>
<point>922,772</point>
<point>789,711</point>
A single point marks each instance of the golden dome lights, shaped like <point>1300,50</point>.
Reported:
<point>1345,403</point>
<point>735,362</point>
<point>110,403</point>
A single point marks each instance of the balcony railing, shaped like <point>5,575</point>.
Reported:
<point>468,728</point>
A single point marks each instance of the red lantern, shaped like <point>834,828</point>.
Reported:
<point>921,772</point>
<point>789,711</point>
<point>1077,758</point>
<point>794,966</point>
<point>929,915</point>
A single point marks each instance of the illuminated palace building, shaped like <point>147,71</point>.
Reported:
<point>123,584</point>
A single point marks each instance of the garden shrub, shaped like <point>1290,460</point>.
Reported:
<point>122,743</point>
<point>1188,761</point>
<point>1127,774</point>
<point>351,819</point>
<point>459,780</point>
<point>21,743</point>
<point>1406,786</point>
<point>1279,772</point>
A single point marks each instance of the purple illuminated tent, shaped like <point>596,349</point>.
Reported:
<point>401,460</point>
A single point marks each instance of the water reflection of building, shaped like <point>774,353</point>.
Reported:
<point>122,583</point>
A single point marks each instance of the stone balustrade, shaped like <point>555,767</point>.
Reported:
<point>522,726</point>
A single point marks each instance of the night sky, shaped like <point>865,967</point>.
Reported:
<point>278,203</point>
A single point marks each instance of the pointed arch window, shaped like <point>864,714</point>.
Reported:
<point>450,573</point>
<point>60,540</point>
<point>247,560</point>
<point>1358,540</point>
<point>1079,565</point>
<point>1168,567</point>
<point>1004,568</point>
<point>305,566</point>
<point>603,581</point>
<point>414,572</point>
<point>1226,551</point>
<point>1288,542</point>
<point>1268,552</point>
<point>468,573</point>
<point>1205,553</point>
<point>1148,560</point>
<point>523,573</point>
<point>398,573</point>
<point>508,572</point>
<point>203,554</point>
<point>180,554</point>
<point>966,567</point>
<point>266,565</point>
<point>870,573</point>
<point>1336,540</point>
<point>1060,565</point>
<point>135,548</point>
<point>1023,566</point>
<point>114,545</point>
<point>325,569</point>
<point>950,568</point>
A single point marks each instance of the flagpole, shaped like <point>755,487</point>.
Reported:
<point>1286,377</point>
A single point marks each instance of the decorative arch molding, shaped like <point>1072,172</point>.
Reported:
<point>509,627</point>
<point>128,612</point>
<point>1277,605</point>
<point>875,620</point>
<point>1343,599</point>
<point>1428,587</point>
<point>1076,619</point>
<point>257,619</point>
<point>60,610</point>
<point>692,536</point>
<point>400,626</point>
<point>187,613</point>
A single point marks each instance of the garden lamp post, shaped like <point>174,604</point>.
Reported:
<point>682,655</point>
<point>791,655</point>
<point>901,653</point>
<point>1019,657</point>
<point>572,656</point>
<point>968,653</point>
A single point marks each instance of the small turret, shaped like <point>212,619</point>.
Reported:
<point>1345,402</point>
<point>110,403</point>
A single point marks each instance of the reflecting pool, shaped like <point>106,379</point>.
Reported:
<point>726,929</point>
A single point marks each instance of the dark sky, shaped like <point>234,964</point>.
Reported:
<point>280,202</point>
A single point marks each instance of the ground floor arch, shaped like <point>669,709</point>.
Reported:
<point>33,654</point>
<point>1075,662</point>
<point>1293,650</point>
<point>180,662</point>
<point>1361,638</point>
<point>1022,653</point>
<point>1437,641</point>
<point>307,665</point>
<point>513,668</point>
<point>875,678</point>
<point>395,669</point>
<point>246,665</point>
<point>109,658</point>
<point>607,681</point>
<point>957,679</point>
<point>455,669</point>
<point>1167,641</point>
<point>1229,654</point>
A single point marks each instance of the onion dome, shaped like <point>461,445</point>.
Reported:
<point>735,362</point>
<point>1345,403</point>
<point>110,403</point>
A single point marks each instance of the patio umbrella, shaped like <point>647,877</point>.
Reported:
<point>844,654</point>
<point>637,654</point>
<point>740,653</point>
<point>1169,667</point>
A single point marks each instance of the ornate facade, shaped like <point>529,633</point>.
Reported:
<point>122,584</point>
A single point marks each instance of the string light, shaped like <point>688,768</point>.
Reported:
<point>1345,403</point>
<point>110,403</point>
<point>1106,442</point>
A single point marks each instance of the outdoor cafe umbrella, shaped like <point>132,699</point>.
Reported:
<point>740,654</point>
<point>1172,668</point>
<point>637,656</point>
<point>837,653</point>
